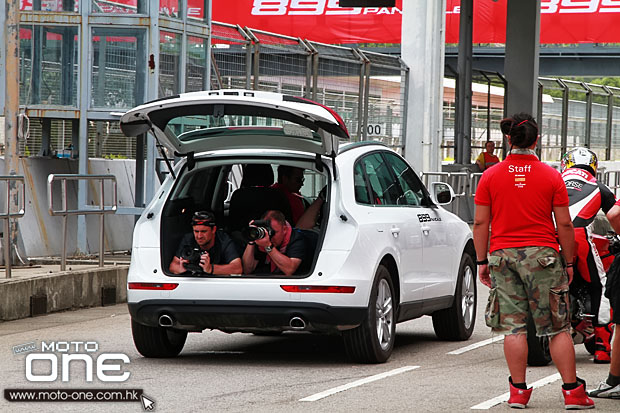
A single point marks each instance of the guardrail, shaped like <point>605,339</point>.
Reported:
<point>6,216</point>
<point>100,210</point>
<point>474,178</point>
<point>466,183</point>
<point>612,180</point>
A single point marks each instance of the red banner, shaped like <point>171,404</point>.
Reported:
<point>562,21</point>
<point>319,20</point>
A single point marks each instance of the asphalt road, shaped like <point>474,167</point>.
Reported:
<point>289,373</point>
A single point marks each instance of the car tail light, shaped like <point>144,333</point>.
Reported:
<point>152,286</point>
<point>318,289</point>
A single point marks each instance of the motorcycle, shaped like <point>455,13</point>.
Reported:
<point>582,326</point>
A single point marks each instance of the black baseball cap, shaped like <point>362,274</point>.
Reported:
<point>203,218</point>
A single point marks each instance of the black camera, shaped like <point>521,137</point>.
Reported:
<point>259,229</point>
<point>192,255</point>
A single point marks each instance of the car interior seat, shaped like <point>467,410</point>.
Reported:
<point>255,197</point>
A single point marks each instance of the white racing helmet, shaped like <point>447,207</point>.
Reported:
<point>579,156</point>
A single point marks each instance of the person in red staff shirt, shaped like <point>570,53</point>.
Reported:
<point>519,199</point>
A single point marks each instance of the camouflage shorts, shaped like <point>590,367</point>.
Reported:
<point>527,279</point>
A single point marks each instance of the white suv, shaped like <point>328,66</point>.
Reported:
<point>383,249</point>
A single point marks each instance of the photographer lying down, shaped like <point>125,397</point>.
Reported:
<point>274,247</point>
<point>206,251</point>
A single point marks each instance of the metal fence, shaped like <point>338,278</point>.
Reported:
<point>570,114</point>
<point>231,57</point>
<point>367,89</point>
<point>102,208</point>
<point>465,182</point>
<point>462,183</point>
<point>13,193</point>
<point>487,109</point>
<point>579,114</point>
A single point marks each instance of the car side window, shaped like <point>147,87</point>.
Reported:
<point>412,188</point>
<point>386,190</point>
<point>361,190</point>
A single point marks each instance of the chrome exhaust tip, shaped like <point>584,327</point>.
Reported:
<point>165,321</point>
<point>297,323</point>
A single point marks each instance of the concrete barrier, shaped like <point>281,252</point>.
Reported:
<point>39,294</point>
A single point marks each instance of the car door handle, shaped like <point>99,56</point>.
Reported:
<point>426,230</point>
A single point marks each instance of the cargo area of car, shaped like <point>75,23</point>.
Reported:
<point>236,192</point>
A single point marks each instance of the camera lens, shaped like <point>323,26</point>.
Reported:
<point>255,233</point>
<point>187,253</point>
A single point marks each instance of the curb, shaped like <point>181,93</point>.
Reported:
<point>44,294</point>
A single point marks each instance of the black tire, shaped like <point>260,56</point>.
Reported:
<point>157,342</point>
<point>457,322</point>
<point>373,340</point>
<point>538,353</point>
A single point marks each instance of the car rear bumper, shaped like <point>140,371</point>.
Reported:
<point>231,316</point>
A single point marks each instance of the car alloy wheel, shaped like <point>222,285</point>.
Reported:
<point>457,321</point>
<point>385,314</point>
<point>468,297</point>
<point>373,340</point>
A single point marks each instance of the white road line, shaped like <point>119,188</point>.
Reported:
<point>221,352</point>
<point>357,383</point>
<point>478,344</point>
<point>504,397</point>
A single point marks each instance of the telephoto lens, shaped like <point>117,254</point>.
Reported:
<point>259,229</point>
<point>255,233</point>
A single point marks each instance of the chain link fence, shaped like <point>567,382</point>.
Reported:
<point>571,114</point>
<point>579,114</point>
<point>367,89</point>
<point>231,57</point>
<point>487,109</point>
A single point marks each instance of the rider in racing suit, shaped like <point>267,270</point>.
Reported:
<point>586,196</point>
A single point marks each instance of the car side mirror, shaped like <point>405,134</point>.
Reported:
<point>441,193</point>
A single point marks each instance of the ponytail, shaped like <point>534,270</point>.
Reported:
<point>522,129</point>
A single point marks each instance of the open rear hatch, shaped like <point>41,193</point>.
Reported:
<point>237,119</point>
